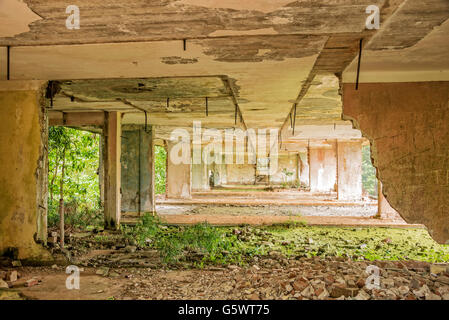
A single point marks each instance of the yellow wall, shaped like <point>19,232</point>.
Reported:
<point>20,141</point>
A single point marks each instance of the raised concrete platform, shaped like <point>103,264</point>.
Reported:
<point>248,201</point>
<point>257,196</point>
<point>229,220</point>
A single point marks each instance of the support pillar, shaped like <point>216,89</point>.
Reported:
<point>200,177</point>
<point>222,173</point>
<point>137,174</point>
<point>384,210</point>
<point>101,171</point>
<point>23,175</point>
<point>219,172</point>
<point>178,175</point>
<point>149,200</point>
<point>349,170</point>
<point>323,167</point>
<point>112,168</point>
<point>298,167</point>
<point>304,168</point>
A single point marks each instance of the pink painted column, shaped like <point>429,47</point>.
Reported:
<point>349,170</point>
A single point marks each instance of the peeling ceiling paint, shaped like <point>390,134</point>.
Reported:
<point>15,17</point>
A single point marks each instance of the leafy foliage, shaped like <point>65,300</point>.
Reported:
<point>200,243</point>
<point>160,169</point>
<point>78,152</point>
<point>369,180</point>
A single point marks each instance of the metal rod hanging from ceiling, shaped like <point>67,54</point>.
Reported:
<point>146,121</point>
<point>358,65</point>
<point>8,62</point>
<point>294,119</point>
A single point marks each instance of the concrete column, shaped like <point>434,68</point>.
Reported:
<point>219,170</point>
<point>148,199</point>
<point>200,178</point>
<point>298,167</point>
<point>112,168</point>
<point>349,170</point>
<point>323,168</point>
<point>222,173</point>
<point>23,174</point>
<point>384,210</point>
<point>178,176</point>
<point>137,174</point>
<point>101,171</point>
<point>304,168</point>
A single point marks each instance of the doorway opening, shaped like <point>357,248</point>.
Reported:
<point>73,177</point>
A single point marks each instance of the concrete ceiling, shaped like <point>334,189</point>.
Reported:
<point>263,89</point>
<point>275,54</point>
<point>15,17</point>
<point>137,20</point>
<point>413,46</point>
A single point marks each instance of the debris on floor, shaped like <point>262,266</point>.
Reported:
<point>289,261</point>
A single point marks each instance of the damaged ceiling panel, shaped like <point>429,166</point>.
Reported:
<point>396,56</point>
<point>265,86</point>
<point>320,105</point>
<point>265,56</point>
<point>322,101</point>
<point>260,48</point>
<point>15,16</point>
<point>145,89</point>
<point>432,14</point>
<point>168,101</point>
<point>136,20</point>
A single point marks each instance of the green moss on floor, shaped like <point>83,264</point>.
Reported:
<point>374,243</point>
<point>205,244</point>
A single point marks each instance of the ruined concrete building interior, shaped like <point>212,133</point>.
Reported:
<point>291,140</point>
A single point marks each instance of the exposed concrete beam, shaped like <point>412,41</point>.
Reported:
<point>262,92</point>
<point>338,52</point>
<point>76,119</point>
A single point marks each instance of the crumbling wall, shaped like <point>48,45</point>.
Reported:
<point>219,173</point>
<point>384,210</point>
<point>408,127</point>
<point>23,160</point>
<point>288,162</point>
<point>240,173</point>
